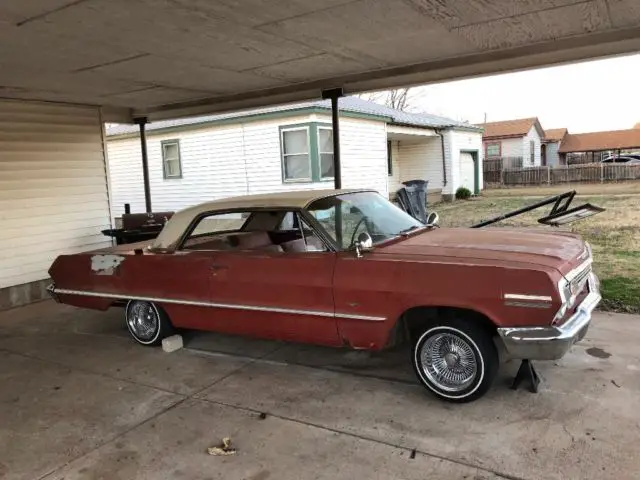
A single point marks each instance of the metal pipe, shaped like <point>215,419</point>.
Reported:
<point>334,94</point>
<point>557,208</point>
<point>444,163</point>
<point>142,121</point>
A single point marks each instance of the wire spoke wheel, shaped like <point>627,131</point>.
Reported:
<point>449,362</point>
<point>143,320</point>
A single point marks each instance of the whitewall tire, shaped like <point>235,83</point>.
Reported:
<point>456,361</point>
<point>147,323</point>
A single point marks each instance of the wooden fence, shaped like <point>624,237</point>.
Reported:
<point>586,173</point>
<point>493,167</point>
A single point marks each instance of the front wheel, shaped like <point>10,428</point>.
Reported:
<point>456,361</point>
<point>147,322</point>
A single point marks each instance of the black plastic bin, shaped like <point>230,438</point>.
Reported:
<point>413,198</point>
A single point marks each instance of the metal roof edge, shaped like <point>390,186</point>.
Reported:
<point>251,118</point>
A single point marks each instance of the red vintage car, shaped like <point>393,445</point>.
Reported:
<point>347,268</point>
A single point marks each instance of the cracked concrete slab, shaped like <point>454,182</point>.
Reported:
<point>270,448</point>
<point>96,405</point>
<point>51,414</point>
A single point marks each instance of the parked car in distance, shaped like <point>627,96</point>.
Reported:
<point>347,268</point>
<point>628,159</point>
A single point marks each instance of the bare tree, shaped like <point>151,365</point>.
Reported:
<point>400,98</point>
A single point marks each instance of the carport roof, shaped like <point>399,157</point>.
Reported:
<point>170,58</point>
<point>352,105</point>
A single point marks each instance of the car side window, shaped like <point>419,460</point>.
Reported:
<point>297,235</point>
<point>210,232</point>
<point>263,230</point>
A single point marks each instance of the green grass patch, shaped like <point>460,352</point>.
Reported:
<point>626,254</point>
<point>621,294</point>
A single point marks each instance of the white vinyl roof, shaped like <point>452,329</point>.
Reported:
<point>171,58</point>
<point>294,200</point>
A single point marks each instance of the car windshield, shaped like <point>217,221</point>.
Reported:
<point>344,217</point>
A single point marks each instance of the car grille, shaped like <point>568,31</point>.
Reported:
<point>581,278</point>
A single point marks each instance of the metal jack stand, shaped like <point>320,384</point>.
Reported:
<point>527,372</point>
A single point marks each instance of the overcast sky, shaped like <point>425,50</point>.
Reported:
<point>584,97</point>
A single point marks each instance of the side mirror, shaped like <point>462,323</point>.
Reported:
<point>433,220</point>
<point>364,243</point>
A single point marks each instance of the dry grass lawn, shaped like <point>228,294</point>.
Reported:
<point>614,236</point>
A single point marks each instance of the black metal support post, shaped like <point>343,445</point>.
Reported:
<point>334,94</point>
<point>142,121</point>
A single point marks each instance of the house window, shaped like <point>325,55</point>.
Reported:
<point>532,151</point>
<point>325,152</point>
<point>307,152</point>
<point>171,166</point>
<point>296,158</point>
<point>493,149</point>
<point>389,158</point>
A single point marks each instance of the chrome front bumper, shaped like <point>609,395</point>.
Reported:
<point>551,343</point>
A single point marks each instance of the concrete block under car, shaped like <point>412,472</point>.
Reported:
<point>172,343</point>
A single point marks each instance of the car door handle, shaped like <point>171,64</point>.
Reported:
<point>215,267</point>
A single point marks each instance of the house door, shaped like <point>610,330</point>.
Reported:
<point>467,171</point>
<point>543,154</point>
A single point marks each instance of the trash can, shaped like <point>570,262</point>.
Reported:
<point>415,195</point>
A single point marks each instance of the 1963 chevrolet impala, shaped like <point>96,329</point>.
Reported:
<point>348,268</point>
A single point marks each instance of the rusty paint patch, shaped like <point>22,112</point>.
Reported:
<point>105,264</point>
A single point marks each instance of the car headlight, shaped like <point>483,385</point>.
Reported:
<point>588,245</point>
<point>564,288</point>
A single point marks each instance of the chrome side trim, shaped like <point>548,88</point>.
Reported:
<point>196,303</point>
<point>520,296</point>
<point>527,304</point>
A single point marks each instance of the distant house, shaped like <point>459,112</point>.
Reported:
<point>290,147</point>
<point>553,137</point>
<point>517,140</point>
<point>595,146</point>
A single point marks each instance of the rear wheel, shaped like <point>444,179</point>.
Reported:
<point>147,323</point>
<point>456,361</point>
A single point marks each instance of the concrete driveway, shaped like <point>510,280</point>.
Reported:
<point>79,400</point>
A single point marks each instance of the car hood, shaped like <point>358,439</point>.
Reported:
<point>559,250</point>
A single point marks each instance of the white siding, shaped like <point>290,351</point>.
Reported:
<point>227,160</point>
<point>263,157</point>
<point>53,187</point>
<point>422,161</point>
<point>526,149</point>
<point>363,149</point>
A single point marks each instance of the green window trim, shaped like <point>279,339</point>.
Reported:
<point>314,154</point>
<point>165,174</point>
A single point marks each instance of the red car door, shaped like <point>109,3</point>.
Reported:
<point>367,298</point>
<point>280,295</point>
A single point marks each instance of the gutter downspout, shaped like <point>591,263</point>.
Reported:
<point>444,163</point>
